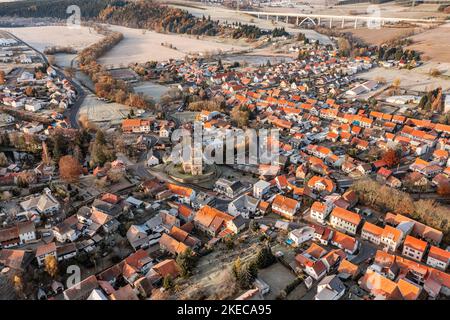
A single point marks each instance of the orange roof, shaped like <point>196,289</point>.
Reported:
<point>185,211</point>
<point>346,215</point>
<point>315,251</point>
<point>134,122</point>
<point>347,242</point>
<point>318,206</point>
<point>408,290</point>
<point>167,267</point>
<point>372,229</point>
<point>329,185</point>
<point>391,233</point>
<point>440,153</point>
<point>347,267</point>
<point>284,203</point>
<point>179,190</point>
<point>384,259</point>
<point>207,215</point>
<point>439,254</point>
<point>172,245</point>
<point>415,243</point>
<point>377,284</point>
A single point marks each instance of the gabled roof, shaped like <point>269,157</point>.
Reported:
<point>415,243</point>
<point>346,215</point>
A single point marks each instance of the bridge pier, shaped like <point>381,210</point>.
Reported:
<point>287,19</point>
<point>267,17</point>
<point>258,15</point>
<point>331,22</point>
<point>343,21</point>
<point>296,23</point>
<point>318,21</point>
<point>276,19</point>
<point>356,22</point>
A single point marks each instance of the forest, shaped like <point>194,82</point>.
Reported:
<point>143,14</point>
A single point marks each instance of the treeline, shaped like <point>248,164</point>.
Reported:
<point>161,18</point>
<point>135,14</point>
<point>54,8</point>
<point>58,49</point>
<point>428,212</point>
<point>397,53</point>
<point>105,85</point>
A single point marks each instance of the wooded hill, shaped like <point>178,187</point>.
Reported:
<point>143,14</point>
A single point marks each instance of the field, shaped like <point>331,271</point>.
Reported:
<point>102,113</point>
<point>379,36</point>
<point>43,37</point>
<point>143,45</point>
<point>434,43</point>
<point>416,79</point>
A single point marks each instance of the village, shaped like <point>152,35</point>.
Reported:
<point>353,205</point>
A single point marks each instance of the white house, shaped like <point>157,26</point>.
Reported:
<point>33,106</point>
<point>44,251</point>
<point>438,258</point>
<point>152,161</point>
<point>260,188</point>
<point>244,205</point>
<point>320,211</point>
<point>345,220</point>
<point>27,231</point>
<point>44,204</point>
<point>301,235</point>
<point>330,288</point>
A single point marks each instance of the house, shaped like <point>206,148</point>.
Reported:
<point>228,188</point>
<point>177,241</point>
<point>330,288</point>
<point>244,205</point>
<point>385,264</point>
<point>371,233</point>
<point>167,268</point>
<point>284,206</point>
<point>347,270</point>
<point>322,234</point>
<point>45,204</point>
<point>313,267</point>
<point>383,288</point>
<point>164,132</point>
<point>9,237</point>
<point>301,235</point>
<point>67,230</point>
<point>44,251</point>
<point>171,245</point>
<point>345,242</point>
<point>212,221</point>
<point>136,126</point>
<point>391,238</point>
<point>260,189</point>
<point>438,258</point>
<point>21,233</point>
<point>344,220</point>
<point>321,184</point>
<point>66,252</point>
<point>419,229</point>
<point>184,194</point>
<point>124,293</point>
<point>320,211</point>
<point>16,259</point>
<point>82,289</point>
<point>414,248</point>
